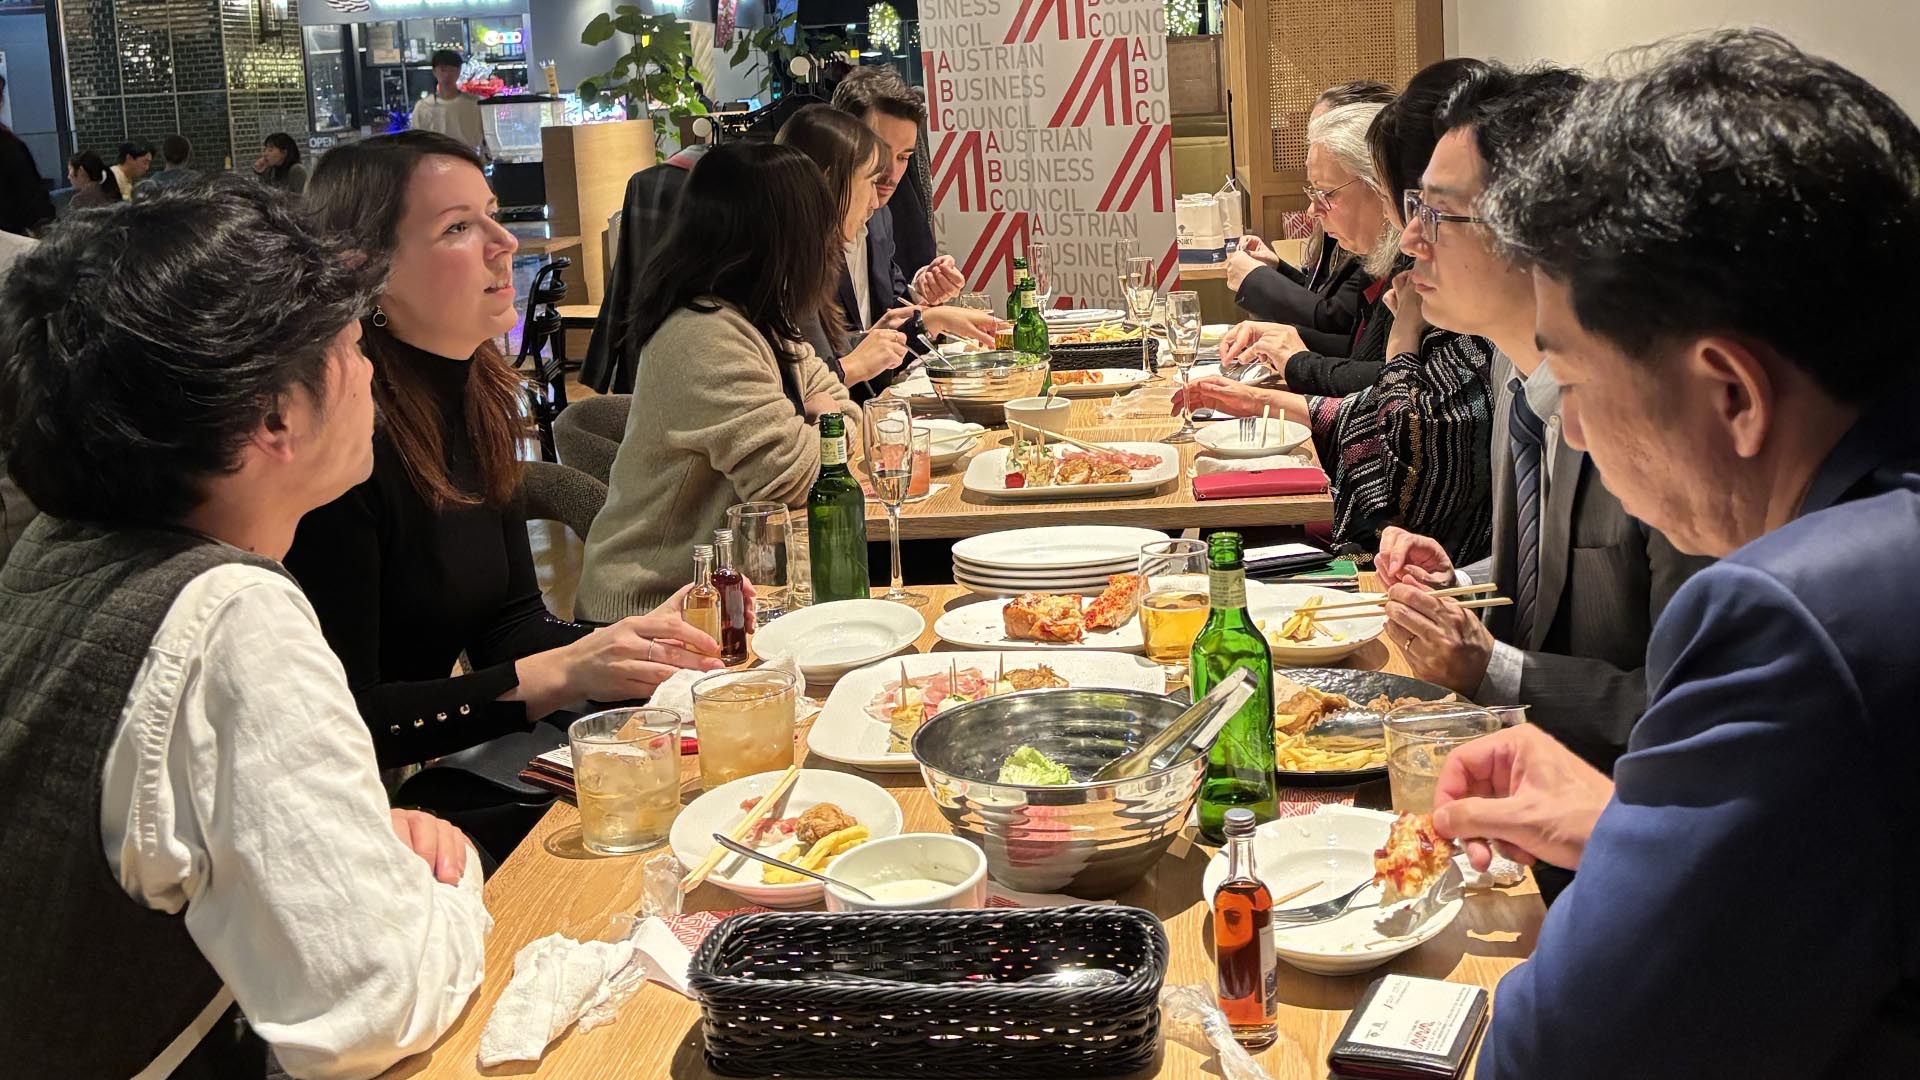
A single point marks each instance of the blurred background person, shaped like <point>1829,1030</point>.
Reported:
<point>278,165</point>
<point>25,203</point>
<point>448,110</point>
<point>93,183</point>
<point>177,152</point>
<point>134,159</point>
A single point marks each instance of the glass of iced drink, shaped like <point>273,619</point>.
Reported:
<point>744,720</point>
<point>1419,738</point>
<point>626,777</point>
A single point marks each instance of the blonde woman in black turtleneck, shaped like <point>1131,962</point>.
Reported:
<point>429,558</point>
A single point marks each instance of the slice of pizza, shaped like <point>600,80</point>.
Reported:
<point>1115,607</point>
<point>1044,617</point>
<point>1414,857</point>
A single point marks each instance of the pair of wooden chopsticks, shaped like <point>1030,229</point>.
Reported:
<point>767,804</point>
<point>1068,439</point>
<point>1360,609</point>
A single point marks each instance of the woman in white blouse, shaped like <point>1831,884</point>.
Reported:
<point>194,815</point>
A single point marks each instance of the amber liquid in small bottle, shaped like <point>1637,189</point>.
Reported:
<point>1249,972</point>
<point>702,606</point>
<point>734,609</point>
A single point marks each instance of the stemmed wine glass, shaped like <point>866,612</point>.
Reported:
<point>889,438</point>
<point>1040,265</point>
<point>1183,335</point>
<point>1141,289</point>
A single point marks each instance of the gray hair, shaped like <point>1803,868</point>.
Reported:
<point>1342,132</point>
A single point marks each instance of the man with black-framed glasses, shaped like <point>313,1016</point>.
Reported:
<point>1588,581</point>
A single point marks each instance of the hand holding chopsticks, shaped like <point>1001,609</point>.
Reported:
<point>1360,609</point>
<point>767,804</point>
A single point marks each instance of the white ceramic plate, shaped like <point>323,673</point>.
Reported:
<point>1064,317</point>
<point>1054,547</point>
<point>1112,381</point>
<point>982,626</point>
<point>988,587</point>
<point>846,733</point>
<point>1333,845</point>
<point>1280,436</point>
<point>829,639</point>
<point>1016,577</point>
<point>913,386</point>
<point>1274,603</point>
<point>718,811</point>
<point>1211,333</point>
<point>945,453</point>
<point>987,475</point>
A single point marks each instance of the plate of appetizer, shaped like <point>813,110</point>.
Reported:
<point>1093,382</point>
<point>1031,471</point>
<point>1298,636</point>
<point>1327,722</point>
<point>823,815</point>
<point>868,720</point>
<point>1038,620</point>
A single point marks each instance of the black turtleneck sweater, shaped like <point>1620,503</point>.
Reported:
<point>403,589</point>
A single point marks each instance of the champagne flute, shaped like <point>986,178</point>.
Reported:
<point>1141,289</point>
<point>1040,265</point>
<point>1183,336</point>
<point>889,431</point>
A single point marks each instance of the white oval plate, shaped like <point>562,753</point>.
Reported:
<point>1281,436</point>
<point>718,811</point>
<point>987,476</point>
<point>991,587</point>
<point>1335,846</point>
<point>1054,547</point>
<point>845,732</point>
<point>1064,317</point>
<point>981,625</point>
<point>1112,381</point>
<point>1274,603</point>
<point>829,639</point>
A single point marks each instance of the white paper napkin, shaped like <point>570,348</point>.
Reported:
<point>558,981</point>
<point>1206,463</point>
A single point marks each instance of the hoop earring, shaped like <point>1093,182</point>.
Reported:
<point>379,317</point>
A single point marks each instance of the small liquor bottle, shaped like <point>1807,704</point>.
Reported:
<point>1243,940</point>
<point>734,609</point>
<point>702,606</point>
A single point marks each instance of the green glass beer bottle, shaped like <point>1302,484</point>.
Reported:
<point>1240,765</point>
<point>1020,277</point>
<point>836,521</point>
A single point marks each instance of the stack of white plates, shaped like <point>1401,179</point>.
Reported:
<point>1059,558</point>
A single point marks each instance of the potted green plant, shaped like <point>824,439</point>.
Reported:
<point>655,73</point>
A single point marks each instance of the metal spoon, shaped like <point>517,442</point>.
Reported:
<point>762,856</point>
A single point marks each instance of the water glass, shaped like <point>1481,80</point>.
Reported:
<point>1040,265</point>
<point>626,777</point>
<point>799,568</point>
<point>922,483</point>
<point>1174,600</point>
<point>760,537</point>
<point>744,720</point>
<point>1141,289</point>
<point>1419,738</point>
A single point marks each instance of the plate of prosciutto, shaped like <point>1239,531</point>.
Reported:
<point>1032,471</point>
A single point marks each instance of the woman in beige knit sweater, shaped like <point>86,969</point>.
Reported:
<point>727,392</point>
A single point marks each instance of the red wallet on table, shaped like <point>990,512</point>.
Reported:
<point>1242,485</point>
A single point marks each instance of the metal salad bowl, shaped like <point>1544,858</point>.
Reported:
<point>1088,840</point>
<point>976,385</point>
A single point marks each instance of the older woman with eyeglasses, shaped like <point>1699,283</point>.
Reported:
<point>1346,196</point>
<point>1413,445</point>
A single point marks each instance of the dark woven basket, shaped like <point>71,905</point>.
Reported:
<point>767,1011</point>
<point>1106,354</point>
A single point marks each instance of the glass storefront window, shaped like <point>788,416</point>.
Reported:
<point>327,75</point>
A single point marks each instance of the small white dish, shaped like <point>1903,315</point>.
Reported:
<point>828,640</point>
<point>1334,846</point>
<point>1046,413</point>
<point>1275,603</point>
<point>910,872</point>
<point>949,440</point>
<point>719,810</point>
<point>1277,436</point>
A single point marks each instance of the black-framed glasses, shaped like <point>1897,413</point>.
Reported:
<point>1323,197</point>
<point>1430,218</point>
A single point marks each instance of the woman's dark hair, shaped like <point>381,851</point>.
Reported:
<point>848,153</point>
<point>290,150</point>
<point>140,349</point>
<point>1357,92</point>
<point>358,192</point>
<point>755,228</point>
<point>1710,175</point>
<point>96,170</point>
<point>1403,135</point>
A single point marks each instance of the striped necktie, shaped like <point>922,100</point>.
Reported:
<point>1528,436</point>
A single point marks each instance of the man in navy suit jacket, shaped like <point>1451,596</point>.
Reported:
<point>1746,880</point>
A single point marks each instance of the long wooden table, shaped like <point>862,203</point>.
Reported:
<point>957,512</point>
<point>550,885</point>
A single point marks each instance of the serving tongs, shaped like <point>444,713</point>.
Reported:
<point>1196,727</point>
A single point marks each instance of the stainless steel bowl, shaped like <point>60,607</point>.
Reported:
<point>976,386</point>
<point>1087,840</point>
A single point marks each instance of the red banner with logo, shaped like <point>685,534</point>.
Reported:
<point>1048,120</point>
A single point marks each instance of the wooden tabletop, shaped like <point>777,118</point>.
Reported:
<point>549,885</point>
<point>957,512</point>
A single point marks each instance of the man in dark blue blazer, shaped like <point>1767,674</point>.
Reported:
<point>1746,881</point>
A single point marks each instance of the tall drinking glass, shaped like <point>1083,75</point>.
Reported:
<point>626,777</point>
<point>890,429</point>
<point>760,536</point>
<point>744,720</point>
<point>1173,600</point>
<point>1141,287</point>
<point>1419,738</point>
<point>1183,336</point>
<point>1040,265</point>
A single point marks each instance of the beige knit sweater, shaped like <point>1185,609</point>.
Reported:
<point>710,427</point>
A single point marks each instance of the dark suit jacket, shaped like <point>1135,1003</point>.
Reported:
<point>1358,367</point>
<point>653,194</point>
<point>1323,303</point>
<point>1772,774</point>
<point>912,230</point>
<point>886,282</point>
<point>25,202</point>
<point>1604,580</point>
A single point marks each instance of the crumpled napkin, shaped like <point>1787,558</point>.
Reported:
<point>1151,401</point>
<point>558,981</point>
<point>1206,464</point>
